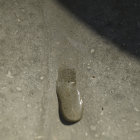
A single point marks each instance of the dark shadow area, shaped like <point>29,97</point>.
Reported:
<point>116,20</point>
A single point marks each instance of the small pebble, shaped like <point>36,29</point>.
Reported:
<point>92,51</point>
<point>96,135</point>
<point>18,20</point>
<point>28,105</point>
<point>40,109</point>
<point>24,126</point>
<point>108,68</point>
<point>9,74</point>
<point>103,133</point>
<point>41,78</point>
<point>136,129</point>
<point>18,88</point>
<point>88,67</point>
<point>136,109</point>
<point>86,134</point>
<point>57,43</point>
<point>102,113</point>
<point>39,137</point>
<point>23,10</point>
<point>137,124</point>
<point>16,31</point>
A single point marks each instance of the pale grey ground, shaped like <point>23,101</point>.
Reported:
<point>36,37</point>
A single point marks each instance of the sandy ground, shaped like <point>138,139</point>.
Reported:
<point>36,38</point>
